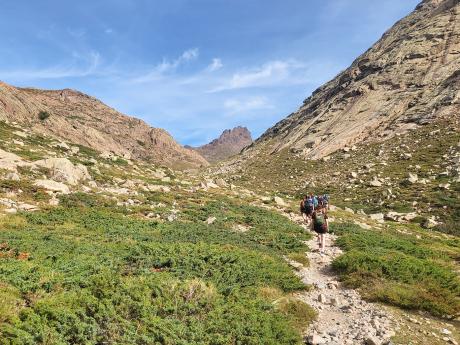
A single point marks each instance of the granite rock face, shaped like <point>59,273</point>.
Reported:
<point>230,143</point>
<point>410,77</point>
<point>82,119</point>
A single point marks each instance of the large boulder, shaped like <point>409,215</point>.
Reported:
<point>279,201</point>
<point>53,186</point>
<point>63,170</point>
<point>10,161</point>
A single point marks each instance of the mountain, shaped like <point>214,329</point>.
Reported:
<point>82,119</point>
<point>230,142</point>
<point>410,77</point>
<point>387,129</point>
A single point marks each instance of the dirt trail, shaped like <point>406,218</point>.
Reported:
<point>343,316</point>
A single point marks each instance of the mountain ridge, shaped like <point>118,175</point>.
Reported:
<point>406,79</point>
<point>83,119</point>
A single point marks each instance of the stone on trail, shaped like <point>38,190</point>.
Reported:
<point>322,298</point>
<point>371,340</point>
<point>315,339</point>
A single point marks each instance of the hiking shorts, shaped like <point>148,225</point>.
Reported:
<point>320,229</point>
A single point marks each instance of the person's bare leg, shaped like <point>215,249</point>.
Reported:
<point>323,241</point>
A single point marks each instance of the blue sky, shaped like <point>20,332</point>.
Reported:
<point>193,67</point>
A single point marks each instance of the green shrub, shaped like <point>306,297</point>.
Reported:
<point>405,272</point>
<point>43,115</point>
<point>95,275</point>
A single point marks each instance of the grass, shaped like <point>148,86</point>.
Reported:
<point>93,273</point>
<point>399,269</point>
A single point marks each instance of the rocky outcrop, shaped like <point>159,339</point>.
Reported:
<point>81,119</point>
<point>410,77</point>
<point>63,170</point>
<point>230,143</point>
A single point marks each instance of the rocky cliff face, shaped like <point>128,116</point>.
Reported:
<point>230,142</point>
<point>84,120</point>
<point>410,77</point>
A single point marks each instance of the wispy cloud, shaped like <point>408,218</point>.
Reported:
<point>82,65</point>
<point>249,104</point>
<point>167,66</point>
<point>272,73</point>
<point>215,65</point>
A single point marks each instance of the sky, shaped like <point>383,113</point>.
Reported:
<point>193,67</point>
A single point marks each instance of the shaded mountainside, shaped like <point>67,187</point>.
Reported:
<point>84,120</point>
<point>410,77</point>
<point>230,143</point>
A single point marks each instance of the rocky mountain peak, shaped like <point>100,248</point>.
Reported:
<point>229,143</point>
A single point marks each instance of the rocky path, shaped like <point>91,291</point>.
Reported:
<point>343,316</point>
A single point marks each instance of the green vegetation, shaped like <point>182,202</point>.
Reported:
<point>430,154</point>
<point>400,269</point>
<point>43,115</point>
<point>89,272</point>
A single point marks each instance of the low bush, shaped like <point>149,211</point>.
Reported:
<point>95,275</point>
<point>43,115</point>
<point>397,270</point>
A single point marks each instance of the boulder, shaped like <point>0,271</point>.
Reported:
<point>372,340</point>
<point>74,150</point>
<point>53,186</point>
<point>377,216</point>
<point>63,146</point>
<point>279,201</point>
<point>375,183</point>
<point>413,178</point>
<point>315,339</point>
<point>211,220</point>
<point>429,223</point>
<point>63,170</point>
<point>13,176</point>
<point>10,161</point>
<point>221,182</point>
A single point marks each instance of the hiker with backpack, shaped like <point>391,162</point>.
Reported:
<point>326,201</point>
<point>320,225</point>
<point>306,209</point>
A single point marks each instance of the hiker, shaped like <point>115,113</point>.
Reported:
<point>306,209</point>
<point>326,201</point>
<point>320,225</point>
<point>315,200</point>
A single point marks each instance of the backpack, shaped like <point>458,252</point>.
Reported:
<point>319,220</point>
<point>302,206</point>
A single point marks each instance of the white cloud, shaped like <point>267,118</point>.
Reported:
<point>215,65</point>
<point>269,74</point>
<point>250,104</point>
<point>168,66</point>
